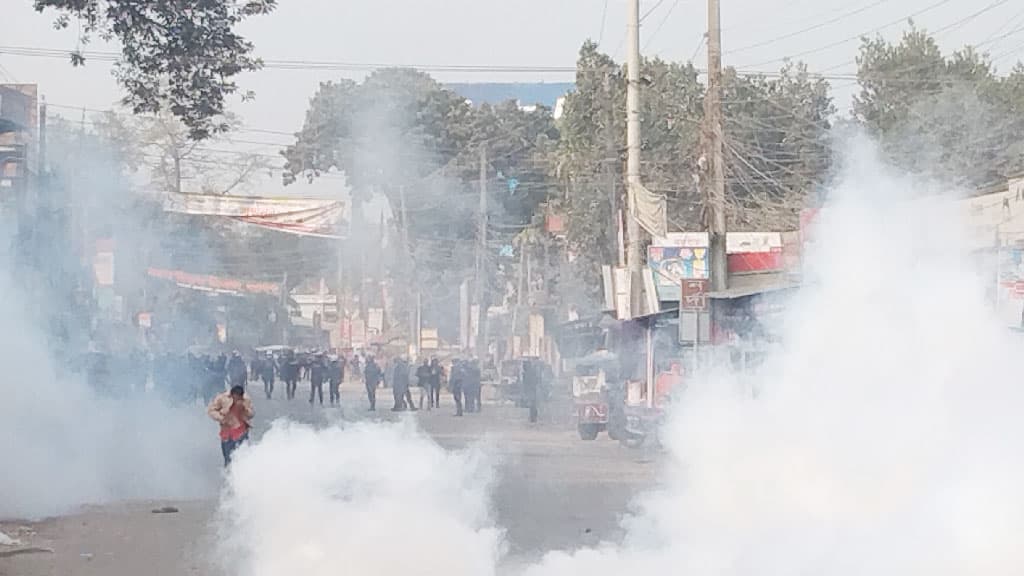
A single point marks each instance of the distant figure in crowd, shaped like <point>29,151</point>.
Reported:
<point>336,375</point>
<point>267,368</point>
<point>471,385</point>
<point>423,383</point>
<point>456,381</point>
<point>234,412</point>
<point>532,380</point>
<point>436,374</point>
<point>317,375</point>
<point>237,371</point>
<point>400,386</point>
<point>290,375</point>
<point>372,375</point>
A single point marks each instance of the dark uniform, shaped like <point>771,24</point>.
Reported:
<point>336,377</point>
<point>436,373</point>
<point>372,376</point>
<point>266,367</point>
<point>423,382</point>
<point>472,386</point>
<point>456,382</point>
<point>400,386</point>
<point>317,374</point>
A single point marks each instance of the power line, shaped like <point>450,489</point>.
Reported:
<point>661,24</point>
<point>858,36</point>
<point>807,29</point>
<point>604,21</point>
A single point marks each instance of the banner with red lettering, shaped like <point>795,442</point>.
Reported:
<point>303,216</point>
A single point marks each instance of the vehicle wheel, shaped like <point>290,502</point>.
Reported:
<point>588,431</point>
<point>630,440</point>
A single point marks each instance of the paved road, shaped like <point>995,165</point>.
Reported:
<point>554,492</point>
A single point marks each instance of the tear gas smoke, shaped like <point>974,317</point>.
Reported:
<point>881,440</point>
<point>64,446</point>
<point>322,502</point>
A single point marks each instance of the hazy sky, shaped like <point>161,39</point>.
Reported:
<point>517,33</point>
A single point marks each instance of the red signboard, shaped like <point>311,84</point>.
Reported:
<point>756,261</point>
<point>694,294</point>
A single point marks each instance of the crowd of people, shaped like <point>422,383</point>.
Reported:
<point>213,375</point>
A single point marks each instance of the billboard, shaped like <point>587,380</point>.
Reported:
<point>672,265</point>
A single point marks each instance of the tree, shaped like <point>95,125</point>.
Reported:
<point>161,148</point>
<point>778,146</point>
<point>951,116</point>
<point>777,149</point>
<point>403,135</point>
<point>176,56</point>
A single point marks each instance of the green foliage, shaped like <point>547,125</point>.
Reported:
<point>181,60</point>
<point>950,116</point>
<point>778,145</point>
<point>776,130</point>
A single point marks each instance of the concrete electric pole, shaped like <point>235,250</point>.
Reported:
<point>713,176</point>
<point>634,244</point>
<point>481,255</point>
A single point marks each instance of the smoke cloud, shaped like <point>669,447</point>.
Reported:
<point>369,499</point>
<point>880,439</point>
<point>64,443</point>
<point>65,446</point>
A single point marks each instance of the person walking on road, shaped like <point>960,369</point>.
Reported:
<point>372,375</point>
<point>336,375</point>
<point>456,382</point>
<point>400,386</point>
<point>471,386</point>
<point>317,375</point>
<point>234,412</point>
<point>267,367</point>
<point>237,371</point>
<point>423,383</point>
<point>436,375</point>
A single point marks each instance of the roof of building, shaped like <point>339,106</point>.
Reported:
<point>525,93</point>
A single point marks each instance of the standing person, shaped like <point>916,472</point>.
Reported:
<point>423,383</point>
<point>237,371</point>
<point>336,375</point>
<point>234,412</point>
<point>472,385</point>
<point>455,382</point>
<point>372,375</point>
<point>290,375</point>
<point>317,372</point>
<point>267,368</point>
<point>532,375</point>
<point>400,386</point>
<point>436,376</point>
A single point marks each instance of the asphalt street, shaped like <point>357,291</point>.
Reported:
<point>553,491</point>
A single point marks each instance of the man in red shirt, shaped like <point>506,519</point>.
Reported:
<point>233,410</point>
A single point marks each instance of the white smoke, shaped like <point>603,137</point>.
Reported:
<point>882,439</point>
<point>370,499</point>
<point>64,446</point>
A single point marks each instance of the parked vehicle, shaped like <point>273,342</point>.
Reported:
<point>594,377</point>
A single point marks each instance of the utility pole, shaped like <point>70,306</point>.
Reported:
<point>634,256</point>
<point>284,309</point>
<point>713,178</point>
<point>414,313</point>
<point>481,340</point>
<point>339,292</point>
<point>608,167</point>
